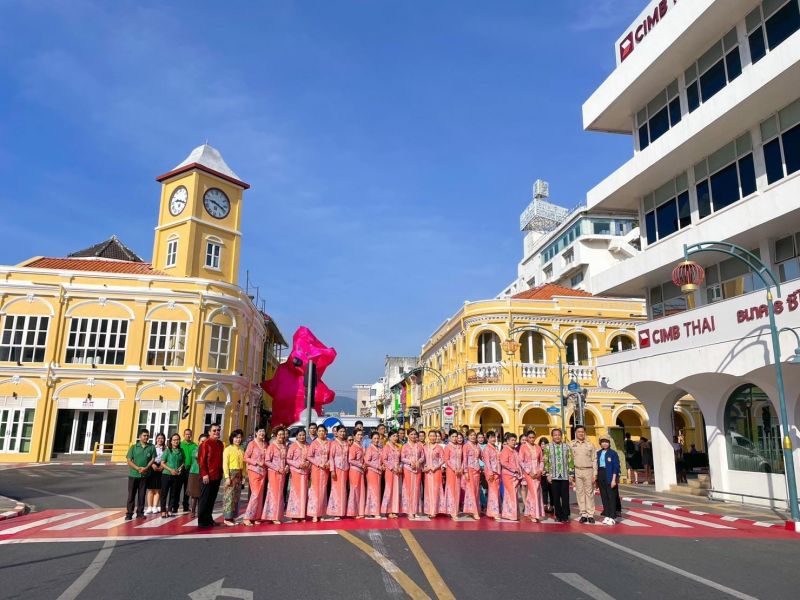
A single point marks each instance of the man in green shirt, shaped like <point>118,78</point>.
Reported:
<point>140,456</point>
<point>188,447</point>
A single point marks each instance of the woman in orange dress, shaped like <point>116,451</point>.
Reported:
<point>511,473</point>
<point>276,474</point>
<point>393,476</point>
<point>492,472</point>
<point>412,457</point>
<point>453,460</point>
<point>255,458</point>
<point>531,462</point>
<point>356,501</point>
<point>472,475</point>
<point>434,460</point>
<point>339,462</point>
<point>374,468</point>
<point>318,457</point>
<point>300,468</point>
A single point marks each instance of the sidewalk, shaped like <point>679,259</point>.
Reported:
<point>647,493</point>
<point>10,508</point>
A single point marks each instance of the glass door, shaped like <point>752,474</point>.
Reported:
<point>79,429</point>
<point>88,428</point>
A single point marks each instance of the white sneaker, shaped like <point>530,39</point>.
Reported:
<point>609,521</point>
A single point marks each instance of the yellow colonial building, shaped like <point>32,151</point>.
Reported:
<point>95,345</point>
<point>494,380</point>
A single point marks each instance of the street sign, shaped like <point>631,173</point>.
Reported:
<point>449,412</point>
<point>573,386</point>
<point>553,410</point>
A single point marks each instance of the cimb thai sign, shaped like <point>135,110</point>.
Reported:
<point>646,22</point>
<point>732,319</point>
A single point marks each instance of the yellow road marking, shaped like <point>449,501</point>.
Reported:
<point>408,585</point>
<point>434,578</point>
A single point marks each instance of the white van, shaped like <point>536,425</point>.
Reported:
<point>349,421</point>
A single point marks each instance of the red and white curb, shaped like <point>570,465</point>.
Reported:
<point>6,466</point>
<point>18,510</point>
<point>789,525</point>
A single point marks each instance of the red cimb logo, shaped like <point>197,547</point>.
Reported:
<point>626,47</point>
<point>644,338</point>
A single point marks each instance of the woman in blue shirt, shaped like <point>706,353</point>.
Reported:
<point>608,472</point>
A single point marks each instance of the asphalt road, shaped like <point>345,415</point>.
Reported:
<point>453,564</point>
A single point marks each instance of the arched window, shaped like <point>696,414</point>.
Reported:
<point>488,347</point>
<point>752,432</point>
<point>532,348</point>
<point>578,349</point>
<point>621,343</point>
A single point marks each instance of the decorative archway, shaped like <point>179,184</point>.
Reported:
<point>490,418</point>
<point>536,418</point>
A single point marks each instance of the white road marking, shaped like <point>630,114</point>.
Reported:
<point>690,520</point>
<point>38,523</point>
<point>193,522</point>
<point>156,521</point>
<point>110,524</point>
<point>583,585</point>
<point>30,473</point>
<point>74,590</point>
<point>392,587</point>
<point>83,521</point>
<point>698,512</point>
<point>764,524</point>
<point>660,563</point>
<point>649,517</point>
<point>189,536</point>
<point>629,523</point>
<point>729,519</point>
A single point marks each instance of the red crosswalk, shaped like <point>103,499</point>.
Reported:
<point>102,524</point>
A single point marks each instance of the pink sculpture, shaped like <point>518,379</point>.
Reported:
<point>287,386</point>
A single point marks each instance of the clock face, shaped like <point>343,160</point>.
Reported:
<point>177,201</point>
<point>216,203</point>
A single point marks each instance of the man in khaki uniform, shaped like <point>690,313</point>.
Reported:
<point>585,456</point>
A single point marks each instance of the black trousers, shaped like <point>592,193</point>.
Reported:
<point>547,497</point>
<point>205,506</point>
<point>137,490</point>
<point>170,487</point>
<point>559,493</point>
<point>184,485</point>
<point>612,505</point>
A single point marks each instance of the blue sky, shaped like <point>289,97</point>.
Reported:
<point>390,145</point>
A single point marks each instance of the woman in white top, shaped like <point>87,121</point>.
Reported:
<point>154,478</point>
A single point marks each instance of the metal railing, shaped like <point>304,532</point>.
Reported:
<point>106,450</point>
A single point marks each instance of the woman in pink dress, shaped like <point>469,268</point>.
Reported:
<point>318,454</point>
<point>434,460</point>
<point>393,476</point>
<point>491,460</point>
<point>412,457</point>
<point>531,462</point>
<point>472,475</point>
<point>255,458</point>
<point>374,468</point>
<point>340,467</point>
<point>453,460</point>
<point>356,501</point>
<point>511,473</point>
<point>299,467</point>
<point>276,473</point>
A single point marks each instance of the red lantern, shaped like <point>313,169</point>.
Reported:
<point>688,275</point>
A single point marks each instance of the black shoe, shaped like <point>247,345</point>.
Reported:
<point>584,520</point>
<point>590,520</point>
<point>128,517</point>
<point>141,516</point>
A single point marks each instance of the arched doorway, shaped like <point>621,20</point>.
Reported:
<point>589,422</point>
<point>752,432</point>
<point>631,422</point>
<point>490,418</point>
<point>538,420</point>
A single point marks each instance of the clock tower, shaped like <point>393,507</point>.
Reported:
<point>198,232</point>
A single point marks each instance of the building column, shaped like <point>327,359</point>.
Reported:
<point>660,416</point>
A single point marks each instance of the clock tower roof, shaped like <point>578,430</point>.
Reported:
<point>208,159</point>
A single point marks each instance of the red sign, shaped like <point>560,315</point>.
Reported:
<point>449,412</point>
<point>645,24</point>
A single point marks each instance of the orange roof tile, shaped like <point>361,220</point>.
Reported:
<point>94,265</point>
<point>547,291</point>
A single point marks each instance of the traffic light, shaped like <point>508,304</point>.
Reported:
<point>185,403</point>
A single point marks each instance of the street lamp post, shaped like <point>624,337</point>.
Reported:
<point>560,345</point>
<point>436,373</point>
<point>689,275</point>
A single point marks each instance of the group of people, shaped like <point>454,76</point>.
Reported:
<point>461,474</point>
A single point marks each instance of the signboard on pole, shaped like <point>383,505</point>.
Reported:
<point>448,415</point>
<point>553,410</point>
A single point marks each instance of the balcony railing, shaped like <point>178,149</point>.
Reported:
<point>485,372</point>
<point>542,371</point>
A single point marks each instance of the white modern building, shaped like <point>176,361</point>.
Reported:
<point>709,91</point>
<point>567,247</point>
<point>367,398</point>
<point>395,368</point>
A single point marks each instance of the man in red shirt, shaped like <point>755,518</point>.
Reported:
<point>209,459</point>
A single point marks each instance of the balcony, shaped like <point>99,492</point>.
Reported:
<point>485,372</point>
<point>498,372</point>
